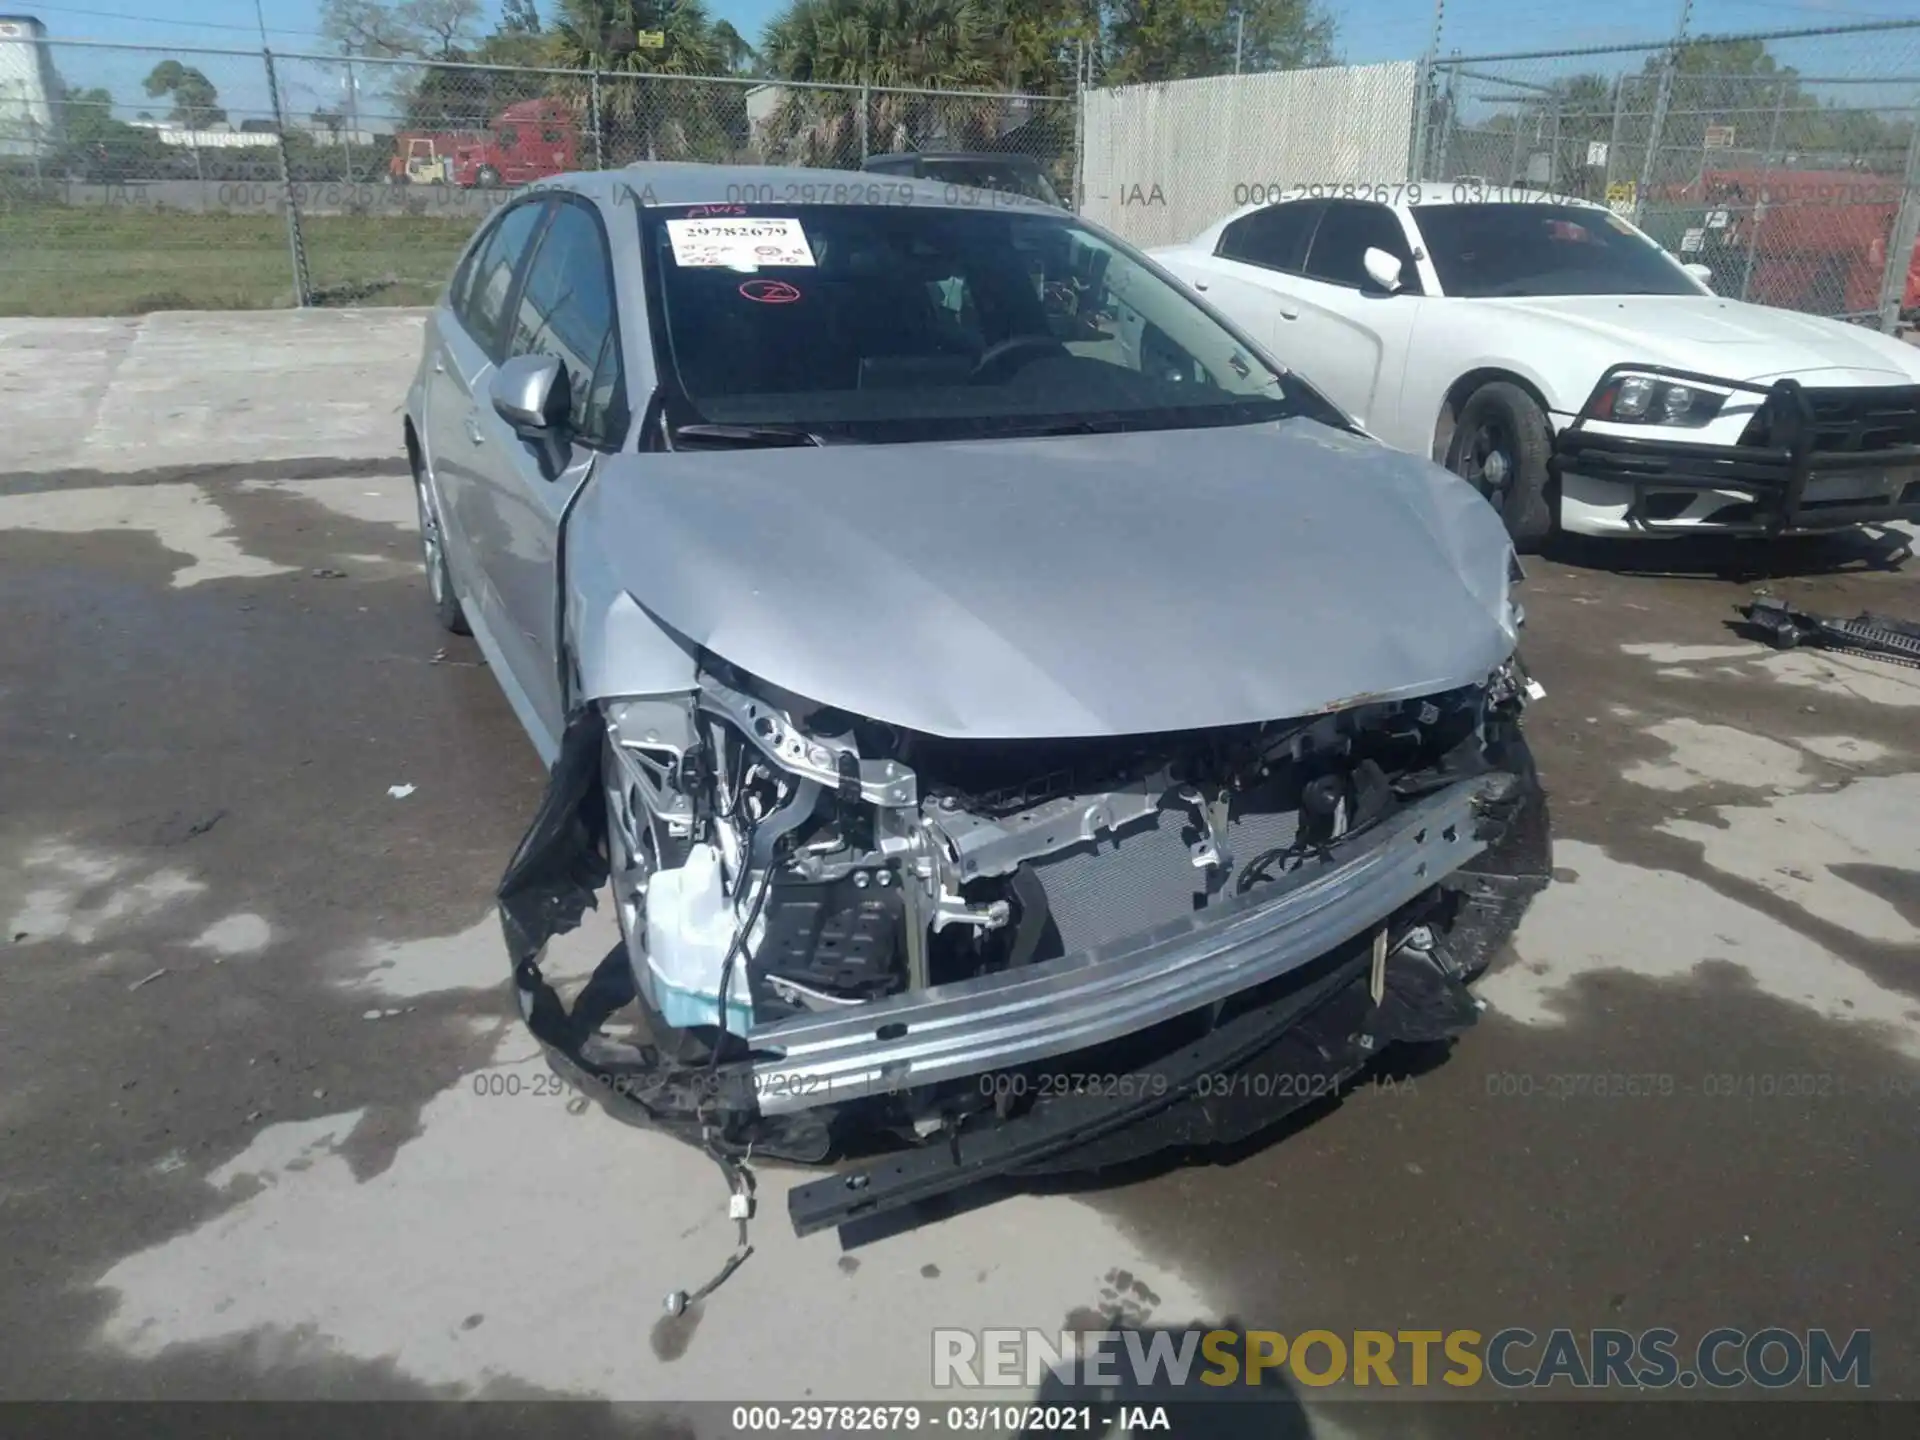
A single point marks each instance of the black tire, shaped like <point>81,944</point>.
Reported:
<point>487,178</point>
<point>1502,445</point>
<point>433,557</point>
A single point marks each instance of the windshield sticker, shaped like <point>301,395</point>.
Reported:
<point>702,212</point>
<point>770,292</point>
<point>737,243</point>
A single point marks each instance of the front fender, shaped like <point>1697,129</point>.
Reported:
<point>621,650</point>
<point>1451,343</point>
<point>618,647</point>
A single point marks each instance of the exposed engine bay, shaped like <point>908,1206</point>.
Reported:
<point>860,861</point>
<point>818,868</point>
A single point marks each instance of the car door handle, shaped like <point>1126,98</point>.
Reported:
<point>439,367</point>
<point>1199,284</point>
<point>1287,314</point>
<point>473,429</point>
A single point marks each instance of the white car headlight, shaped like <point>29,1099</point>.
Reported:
<point>1649,400</point>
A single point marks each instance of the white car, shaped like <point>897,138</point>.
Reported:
<point>1560,360</point>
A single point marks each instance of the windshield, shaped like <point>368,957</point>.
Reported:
<point>918,322</point>
<point>985,173</point>
<point>1481,251</point>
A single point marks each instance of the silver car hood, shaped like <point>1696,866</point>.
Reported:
<point>1064,586</point>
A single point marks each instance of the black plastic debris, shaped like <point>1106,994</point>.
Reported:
<point>1879,636</point>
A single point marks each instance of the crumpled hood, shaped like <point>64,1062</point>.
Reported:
<point>1064,586</point>
<point>1723,337</point>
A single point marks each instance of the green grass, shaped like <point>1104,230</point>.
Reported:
<point>61,260</point>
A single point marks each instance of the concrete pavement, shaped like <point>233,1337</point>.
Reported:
<point>182,388</point>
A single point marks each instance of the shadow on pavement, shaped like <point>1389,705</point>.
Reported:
<point>1738,558</point>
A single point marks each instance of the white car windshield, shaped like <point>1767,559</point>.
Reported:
<point>1484,251</point>
<point>903,322</point>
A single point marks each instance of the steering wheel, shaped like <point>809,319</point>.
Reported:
<point>993,365</point>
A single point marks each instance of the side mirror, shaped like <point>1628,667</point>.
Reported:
<point>1702,273</point>
<point>1382,269</point>
<point>533,394</point>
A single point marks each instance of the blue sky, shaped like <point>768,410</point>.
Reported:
<point>1369,29</point>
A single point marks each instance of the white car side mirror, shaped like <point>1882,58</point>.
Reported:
<point>1382,269</point>
<point>1702,273</point>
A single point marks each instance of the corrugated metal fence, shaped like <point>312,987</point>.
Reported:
<point>1162,162</point>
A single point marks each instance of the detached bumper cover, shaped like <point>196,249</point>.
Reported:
<point>1775,477</point>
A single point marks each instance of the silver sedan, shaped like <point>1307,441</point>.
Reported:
<point>1003,704</point>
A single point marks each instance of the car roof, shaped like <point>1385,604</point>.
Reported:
<point>667,182</point>
<point>1398,195</point>
<point>1011,158</point>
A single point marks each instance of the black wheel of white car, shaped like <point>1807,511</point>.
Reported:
<point>1503,446</point>
<point>433,555</point>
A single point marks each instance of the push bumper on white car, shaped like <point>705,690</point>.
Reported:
<point>1808,459</point>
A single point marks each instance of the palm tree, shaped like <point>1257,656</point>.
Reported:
<point>736,54</point>
<point>639,114</point>
<point>914,45</point>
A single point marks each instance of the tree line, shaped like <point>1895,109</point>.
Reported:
<point>1735,94</point>
<point>907,50</point>
<point>1026,45</point>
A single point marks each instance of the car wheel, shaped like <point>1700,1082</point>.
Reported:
<point>433,554</point>
<point>1503,446</point>
<point>487,178</point>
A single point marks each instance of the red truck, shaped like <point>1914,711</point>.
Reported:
<point>1818,237</point>
<point>529,140</point>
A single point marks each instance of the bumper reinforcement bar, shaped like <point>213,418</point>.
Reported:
<point>1774,477</point>
<point>1061,1006</point>
<point>1316,1036</point>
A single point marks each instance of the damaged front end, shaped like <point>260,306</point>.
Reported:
<point>981,956</point>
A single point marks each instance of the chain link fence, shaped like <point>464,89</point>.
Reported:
<point>143,177</point>
<point>138,178</point>
<point>1787,163</point>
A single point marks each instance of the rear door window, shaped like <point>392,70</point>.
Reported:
<point>1274,238</point>
<point>1349,230</point>
<point>490,287</point>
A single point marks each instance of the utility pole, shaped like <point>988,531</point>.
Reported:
<point>1429,91</point>
<point>1239,37</point>
<point>353,115</point>
<point>1661,100</point>
<point>1906,234</point>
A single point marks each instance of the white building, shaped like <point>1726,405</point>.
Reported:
<point>762,101</point>
<point>26,87</point>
